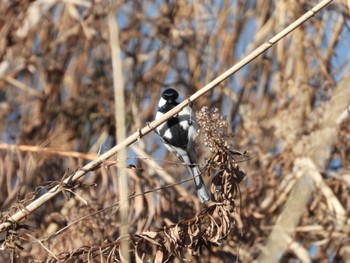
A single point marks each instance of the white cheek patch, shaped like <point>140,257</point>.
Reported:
<point>161,102</point>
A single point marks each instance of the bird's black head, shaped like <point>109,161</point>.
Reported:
<point>170,95</point>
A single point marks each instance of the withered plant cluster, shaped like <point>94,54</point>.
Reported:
<point>223,160</point>
<point>274,144</point>
<point>188,237</point>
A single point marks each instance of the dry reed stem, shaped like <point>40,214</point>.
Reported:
<point>293,209</point>
<point>46,150</point>
<point>119,99</point>
<point>313,150</point>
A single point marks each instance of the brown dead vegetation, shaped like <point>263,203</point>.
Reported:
<point>277,163</point>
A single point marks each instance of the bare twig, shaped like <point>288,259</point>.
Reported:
<point>46,150</point>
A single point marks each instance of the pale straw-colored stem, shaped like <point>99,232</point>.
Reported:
<point>119,100</point>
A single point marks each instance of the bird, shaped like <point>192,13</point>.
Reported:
<point>178,135</point>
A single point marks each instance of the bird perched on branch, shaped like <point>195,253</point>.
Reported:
<point>178,135</point>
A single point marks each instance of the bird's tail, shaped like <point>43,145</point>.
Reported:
<point>202,191</point>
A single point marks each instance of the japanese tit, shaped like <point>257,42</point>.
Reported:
<point>178,135</point>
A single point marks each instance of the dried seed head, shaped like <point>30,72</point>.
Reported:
<point>223,160</point>
<point>214,126</point>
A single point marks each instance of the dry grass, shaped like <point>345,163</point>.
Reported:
<point>287,200</point>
